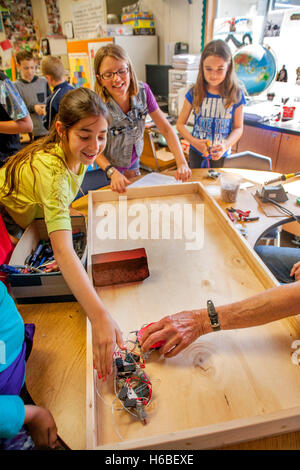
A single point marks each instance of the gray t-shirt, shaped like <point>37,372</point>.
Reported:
<point>34,92</point>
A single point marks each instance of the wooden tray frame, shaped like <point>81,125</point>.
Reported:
<point>203,437</point>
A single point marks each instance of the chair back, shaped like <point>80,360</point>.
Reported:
<point>248,161</point>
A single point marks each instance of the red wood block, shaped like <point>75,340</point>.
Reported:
<point>119,267</point>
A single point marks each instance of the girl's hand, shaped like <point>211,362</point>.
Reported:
<point>41,426</point>
<point>105,335</point>
<point>202,145</point>
<point>296,271</point>
<point>118,182</point>
<point>218,151</point>
<point>183,172</point>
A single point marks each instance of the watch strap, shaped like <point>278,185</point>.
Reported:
<point>213,316</point>
<point>107,168</point>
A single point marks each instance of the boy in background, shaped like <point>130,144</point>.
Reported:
<point>53,70</point>
<point>34,91</point>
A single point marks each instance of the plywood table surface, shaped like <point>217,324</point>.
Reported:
<point>56,369</point>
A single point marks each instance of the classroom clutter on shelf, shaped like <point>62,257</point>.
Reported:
<point>139,19</point>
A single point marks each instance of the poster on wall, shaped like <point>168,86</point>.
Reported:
<point>238,31</point>
<point>93,48</point>
<point>88,17</point>
<point>273,24</point>
<point>79,70</point>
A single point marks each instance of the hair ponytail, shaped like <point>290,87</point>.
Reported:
<point>75,105</point>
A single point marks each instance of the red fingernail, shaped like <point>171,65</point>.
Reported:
<point>104,378</point>
<point>99,376</point>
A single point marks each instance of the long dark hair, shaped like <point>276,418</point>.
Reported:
<point>75,105</point>
<point>230,88</point>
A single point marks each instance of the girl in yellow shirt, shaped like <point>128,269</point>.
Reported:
<point>42,180</point>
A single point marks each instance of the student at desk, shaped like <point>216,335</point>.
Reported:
<point>42,180</point>
<point>128,102</point>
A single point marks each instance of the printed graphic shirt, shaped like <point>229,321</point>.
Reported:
<point>213,121</point>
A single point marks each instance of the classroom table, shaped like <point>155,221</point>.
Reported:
<point>56,368</point>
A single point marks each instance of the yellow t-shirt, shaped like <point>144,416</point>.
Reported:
<point>50,196</point>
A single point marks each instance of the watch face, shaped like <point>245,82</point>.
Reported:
<point>110,172</point>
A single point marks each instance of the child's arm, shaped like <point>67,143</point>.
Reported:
<point>118,181</point>
<point>219,149</point>
<point>41,426</point>
<point>16,127</point>
<point>199,144</point>
<point>105,331</point>
<point>183,171</point>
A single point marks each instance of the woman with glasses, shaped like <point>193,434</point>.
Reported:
<point>128,102</point>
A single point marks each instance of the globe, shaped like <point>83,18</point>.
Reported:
<point>255,66</point>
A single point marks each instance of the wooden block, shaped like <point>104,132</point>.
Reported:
<point>119,267</point>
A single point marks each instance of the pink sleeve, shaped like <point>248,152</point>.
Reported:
<point>151,101</point>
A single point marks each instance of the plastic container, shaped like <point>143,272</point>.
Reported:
<point>230,185</point>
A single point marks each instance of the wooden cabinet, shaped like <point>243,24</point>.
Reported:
<point>263,141</point>
<point>288,160</point>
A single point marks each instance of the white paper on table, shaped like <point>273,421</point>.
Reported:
<point>246,185</point>
<point>154,179</point>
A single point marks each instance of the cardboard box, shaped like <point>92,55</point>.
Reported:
<point>143,27</point>
<point>41,288</point>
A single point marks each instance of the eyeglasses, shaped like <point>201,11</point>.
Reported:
<point>110,75</point>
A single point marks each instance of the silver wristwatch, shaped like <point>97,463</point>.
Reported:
<point>109,171</point>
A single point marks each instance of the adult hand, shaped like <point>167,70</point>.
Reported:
<point>41,426</point>
<point>296,271</point>
<point>178,331</point>
<point>183,172</point>
<point>105,335</point>
<point>218,151</point>
<point>40,109</point>
<point>202,145</point>
<point>118,182</point>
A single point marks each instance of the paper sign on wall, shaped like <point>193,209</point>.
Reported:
<point>87,16</point>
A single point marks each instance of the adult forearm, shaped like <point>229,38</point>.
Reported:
<point>174,146</point>
<point>270,305</point>
<point>184,327</point>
